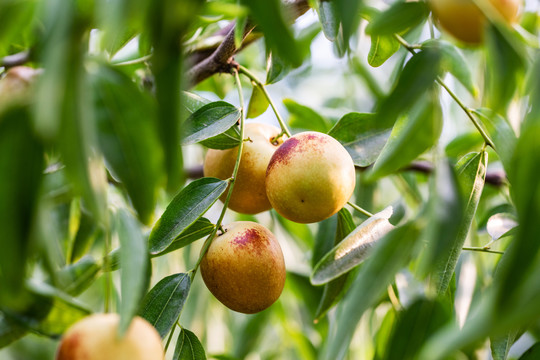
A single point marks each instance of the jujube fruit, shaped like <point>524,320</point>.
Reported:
<point>95,337</point>
<point>249,193</point>
<point>310,177</point>
<point>465,21</point>
<point>244,267</point>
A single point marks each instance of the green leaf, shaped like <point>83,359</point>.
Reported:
<point>390,254</point>
<point>227,140</point>
<point>128,137</point>
<point>52,311</point>
<point>86,234</point>
<point>10,331</point>
<point>416,78</point>
<point>410,137</point>
<point>188,347</point>
<point>500,346</point>
<point>464,144</point>
<point>444,217</point>
<point>248,334</point>
<point>382,48</point>
<point>303,117</point>
<point>276,69</point>
<point>324,238</point>
<point>66,114</point>
<point>269,16</point>
<point>328,20</point>
<point>348,12</point>
<point>471,174</point>
<point>257,103</point>
<point>239,27</point>
<point>210,120</point>
<point>400,17</point>
<point>532,353</point>
<point>363,135</point>
<point>414,326</point>
<point>384,333</point>
<point>526,192</point>
<point>193,102</point>
<point>163,304</point>
<point>134,271</point>
<point>21,166</point>
<point>505,65</point>
<point>334,290</point>
<point>197,230</point>
<point>187,206</point>
<point>453,62</point>
<point>354,248</point>
<point>74,279</point>
<point>501,133</point>
<point>169,21</point>
<point>19,20</point>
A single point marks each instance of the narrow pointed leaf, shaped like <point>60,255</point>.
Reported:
<point>501,133</point>
<point>471,175</point>
<point>328,20</point>
<point>277,34</point>
<point>134,271</point>
<point>128,137</point>
<point>210,120</point>
<point>413,327</point>
<point>257,103</point>
<point>75,278</point>
<point>382,48</point>
<point>227,140</point>
<point>410,137</point>
<point>197,230</point>
<point>334,290</point>
<point>500,346</point>
<point>10,331</point>
<point>19,187</point>
<point>193,102</point>
<point>362,135</point>
<point>398,18</point>
<point>188,347</point>
<point>532,353</point>
<point>416,78</point>
<point>187,206</point>
<point>454,62</point>
<point>276,69</point>
<point>389,255</point>
<point>354,248</point>
<point>162,305</point>
<point>303,117</point>
<point>444,217</point>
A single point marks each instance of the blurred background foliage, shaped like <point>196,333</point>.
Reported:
<point>91,156</point>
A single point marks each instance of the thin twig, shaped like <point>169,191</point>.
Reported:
<point>467,111</point>
<point>15,59</point>
<point>359,209</point>
<point>481,249</point>
<point>261,86</point>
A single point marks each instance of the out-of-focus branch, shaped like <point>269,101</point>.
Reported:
<point>207,63</point>
<point>493,177</point>
<point>15,59</point>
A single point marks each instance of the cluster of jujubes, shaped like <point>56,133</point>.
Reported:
<point>306,178</point>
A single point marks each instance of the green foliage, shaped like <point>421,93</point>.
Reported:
<point>102,196</point>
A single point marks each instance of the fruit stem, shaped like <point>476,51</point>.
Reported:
<point>481,249</point>
<point>359,209</point>
<point>261,86</point>
<point>218,226</point>
<point>467,111</point>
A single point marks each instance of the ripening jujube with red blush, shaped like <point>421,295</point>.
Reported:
<point>95,337</point>
<point>464,20</point>
<point>310,177</point>
<point>244,267</point>
<point>249,193</point>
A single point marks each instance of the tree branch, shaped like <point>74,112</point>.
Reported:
<point>15,59</point>
<point>207,62</point>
